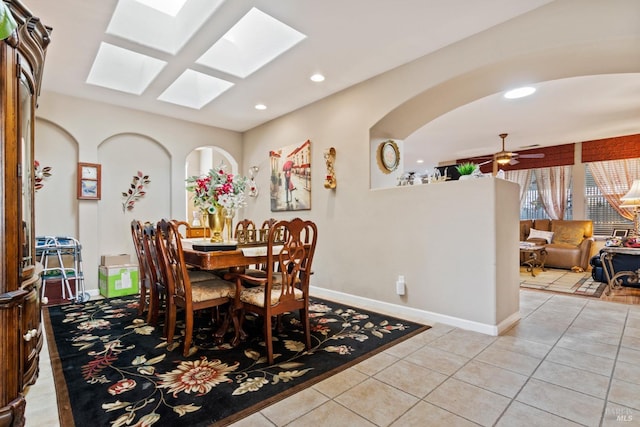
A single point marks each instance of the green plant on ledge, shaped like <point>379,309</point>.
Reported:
<point>466,168</point>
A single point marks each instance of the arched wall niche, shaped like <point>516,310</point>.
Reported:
<point>198,163</point>
<point>57,148</point>
<point>599,57</point>
<point>122,156</point>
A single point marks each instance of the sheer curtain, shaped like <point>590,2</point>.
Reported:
<point>521,177</point>
<point>553,187</point>
<point>614,179</point>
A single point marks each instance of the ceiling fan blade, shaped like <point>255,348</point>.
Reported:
<point>513,162</point>
<point>531,156</point>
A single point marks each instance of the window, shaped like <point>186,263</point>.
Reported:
<point>605,218</point>
<point>532,207</point>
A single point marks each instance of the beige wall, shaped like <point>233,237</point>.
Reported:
<point>455,243</point>
<point>124,142</point>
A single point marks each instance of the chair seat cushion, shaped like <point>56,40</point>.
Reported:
<point>255,295</point>
<point>200,275</point>
<point>212,289</point>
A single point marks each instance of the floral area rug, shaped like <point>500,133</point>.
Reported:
<point>113,369</point>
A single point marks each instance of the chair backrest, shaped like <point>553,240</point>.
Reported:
<point>294,259</point>
<point>154,271</point>
<point>172,259</point>
<point>136,235</point>
<point>243,231</point>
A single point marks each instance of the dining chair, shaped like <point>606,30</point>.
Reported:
<point>153,273</point>
<point>185,294</point>
<point>136,235</point>
<point>243,230</point>
<point>284,290</point>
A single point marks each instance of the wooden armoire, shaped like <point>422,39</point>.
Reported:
<point>21,335</point>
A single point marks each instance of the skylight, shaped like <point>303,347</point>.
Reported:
<point>251,43</point>
<point>146,23</point>
<point>170,7</point>
<point>124,70</point>
<point>194,90</point>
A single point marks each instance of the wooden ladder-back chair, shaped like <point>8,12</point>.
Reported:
<point>145,285</point>
<point>182,292</point>
<point>286,290</point>
<point>154,274</point>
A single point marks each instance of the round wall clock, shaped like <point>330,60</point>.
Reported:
<point>388,156</point>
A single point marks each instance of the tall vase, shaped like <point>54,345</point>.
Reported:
<point>216,224</point>
<point>228,222</point>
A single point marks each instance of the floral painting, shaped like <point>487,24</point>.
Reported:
<point>290,185</point>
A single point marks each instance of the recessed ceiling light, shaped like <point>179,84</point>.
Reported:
<point>254,41</point>
<point>317,77</point>
<point>170,7</point>
<point>260,107</point>
<point>194,90</point>
<point>420,161</point>
<point>520,92</point>
<point>124,70</point>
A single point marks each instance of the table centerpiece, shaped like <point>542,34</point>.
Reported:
<point>218,195</point>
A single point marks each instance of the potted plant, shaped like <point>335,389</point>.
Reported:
<point>466,170</point>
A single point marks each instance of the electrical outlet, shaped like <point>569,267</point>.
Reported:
<point>400,286</point>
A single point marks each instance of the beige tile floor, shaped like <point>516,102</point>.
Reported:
<point>570,361</point>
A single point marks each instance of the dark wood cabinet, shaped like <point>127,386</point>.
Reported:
<point>21,336</point>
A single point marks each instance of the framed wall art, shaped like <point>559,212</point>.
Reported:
<point>290,186</point>
<point>89,181</point>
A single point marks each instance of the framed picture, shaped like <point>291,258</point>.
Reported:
<point>89,181</point>
<point>290,186</point>
<point>620,232</point>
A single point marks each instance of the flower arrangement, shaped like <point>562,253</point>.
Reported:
<point>135,192</point>
<point>217,189</point>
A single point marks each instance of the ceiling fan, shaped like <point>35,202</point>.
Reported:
<point>505,157</point>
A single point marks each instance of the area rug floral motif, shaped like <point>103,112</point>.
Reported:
<point>113,369</point>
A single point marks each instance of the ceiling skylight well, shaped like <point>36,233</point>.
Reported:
<point>170,7</point>
<point>251,43</point>
<point>121,69</point>
<point>150,24</point>
<point>194,90</point>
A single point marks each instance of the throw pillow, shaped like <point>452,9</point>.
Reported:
<point>539,234</point>
<point>569,235</point>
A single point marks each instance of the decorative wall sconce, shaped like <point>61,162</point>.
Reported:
<point>253,187</point>
<point>330,158</point>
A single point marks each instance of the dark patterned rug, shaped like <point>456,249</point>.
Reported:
<point>113,369</point>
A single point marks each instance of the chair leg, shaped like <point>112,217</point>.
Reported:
<point>152,314</point>
<point>170,321</point>
<point>188,331</point>
<point>267,338</point>
<point>224,326</point>
<point>142,303</point>
<point>304,318</point>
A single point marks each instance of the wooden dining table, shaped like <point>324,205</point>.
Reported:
<point>217,260</point>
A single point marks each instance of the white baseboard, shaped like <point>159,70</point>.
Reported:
<point>413,314</point>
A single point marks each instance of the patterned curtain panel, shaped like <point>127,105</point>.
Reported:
<point>553,187</point>
<point>614,179</point>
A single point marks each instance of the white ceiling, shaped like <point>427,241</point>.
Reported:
<point>349,42</point>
